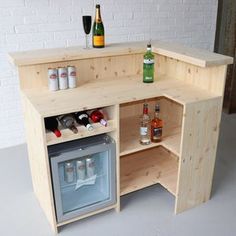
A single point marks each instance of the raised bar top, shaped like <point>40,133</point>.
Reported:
<point>189,55</point>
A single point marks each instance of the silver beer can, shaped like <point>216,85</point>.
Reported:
<point>52,79</point>
<point>80,169</point>
<point>69,172</point>
<point>72,76</point>
<point>62,75</point>
<point>90,166</point>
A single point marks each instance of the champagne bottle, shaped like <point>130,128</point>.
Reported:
<point>98,30</point>
<point>68,121</point>
<point>148,66</point>
<point>83,119</point>
<point>51,124</point>
<point>97,116</point>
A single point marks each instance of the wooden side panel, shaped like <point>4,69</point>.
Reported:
<point>35,76</point>
<point>39,162</point>
<point>211,79</point>
<point>197,156</point>
<point>115,112</point>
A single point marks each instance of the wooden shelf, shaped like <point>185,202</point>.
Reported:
<point>146,168</point>
<point>104,93</point>
<point>129,138</point>
<point>68,135</point>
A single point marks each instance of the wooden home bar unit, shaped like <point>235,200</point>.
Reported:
<point>189,86</point>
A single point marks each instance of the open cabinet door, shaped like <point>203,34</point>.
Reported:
<point>225,43</point>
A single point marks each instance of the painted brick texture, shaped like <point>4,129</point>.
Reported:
<point>34,24</point>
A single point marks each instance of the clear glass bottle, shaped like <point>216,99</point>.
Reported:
<point>145,126</point>
<point>156,126</point>
<point>148,65</point>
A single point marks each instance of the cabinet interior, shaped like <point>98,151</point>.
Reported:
<point>145,165</point>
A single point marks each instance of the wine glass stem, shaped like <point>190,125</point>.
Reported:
<point>86,41</point>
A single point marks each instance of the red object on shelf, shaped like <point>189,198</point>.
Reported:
<point>97,116</point>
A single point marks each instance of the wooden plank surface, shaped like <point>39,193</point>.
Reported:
<point>201,125</point>
<point>146,168</point>
<point>211,79</point>
<point>194,56</point>
<point>105,93</point>
<point>197,57</point>
<point>91,69</point>
<point>39,161</point>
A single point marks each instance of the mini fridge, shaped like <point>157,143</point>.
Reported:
<point>83,176</point>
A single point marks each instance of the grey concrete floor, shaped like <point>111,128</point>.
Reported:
<point>148,212</point>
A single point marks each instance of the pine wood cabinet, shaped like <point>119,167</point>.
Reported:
<point>189,85</point>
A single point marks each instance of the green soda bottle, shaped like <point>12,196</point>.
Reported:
<point>148,66</point>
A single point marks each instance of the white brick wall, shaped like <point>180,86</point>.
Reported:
<point>33,24</point>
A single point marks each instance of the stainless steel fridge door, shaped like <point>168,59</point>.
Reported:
<point>76,195</point>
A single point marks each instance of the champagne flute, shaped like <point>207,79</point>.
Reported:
<point>87,22</point>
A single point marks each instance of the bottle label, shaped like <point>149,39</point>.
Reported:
<point>98,40</point>
<point>148,61</point>
<point>148,78</point>
<point>157,133</point>
<point>143,130</point>
<point>83,116</point>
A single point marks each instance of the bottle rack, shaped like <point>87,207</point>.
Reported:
<point>188,85</point>
<point>68,135</point>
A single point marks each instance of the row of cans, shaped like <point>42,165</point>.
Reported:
<point>61,78</point>
<point>81,169</point>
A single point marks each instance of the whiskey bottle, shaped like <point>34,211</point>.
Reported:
<point>148,66</point>
<point>156,126</point>
<point>98,30</point>
<point>144,126</point>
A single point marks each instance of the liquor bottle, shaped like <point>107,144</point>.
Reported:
<point>145,126</point>
<point>83,119</point>
<point>156,126</point>
<point>51,124</point>
<point>97,116</point>
<point>148,66</point>
<point>68,122</point>
<point>98,30</point>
